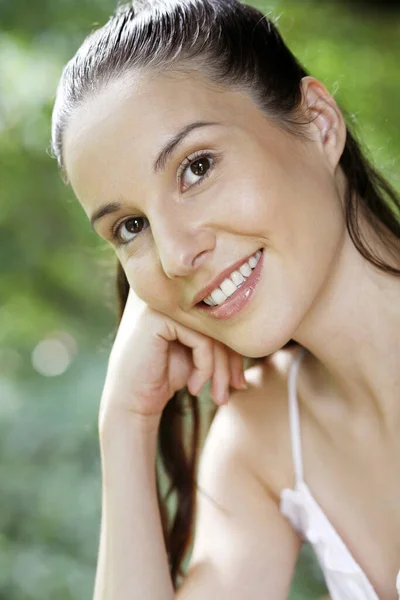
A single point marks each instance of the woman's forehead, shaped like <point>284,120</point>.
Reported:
<point>134,115</point>
<point>153,103</point>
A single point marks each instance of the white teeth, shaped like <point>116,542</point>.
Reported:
<point>237,278</point>
<point>228,287</point>
<point>218,296</point>
<point>210,301</point>
<point>231,284</point>
<point>252,261</point>
<point>245,270</point>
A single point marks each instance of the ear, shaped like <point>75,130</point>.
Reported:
<point>327,122</point>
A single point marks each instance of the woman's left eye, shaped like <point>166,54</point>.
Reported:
<point>194,169</point>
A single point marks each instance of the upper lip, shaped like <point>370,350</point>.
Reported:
<point>219,279</point>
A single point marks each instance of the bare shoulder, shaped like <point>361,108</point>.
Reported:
<point>256,421</point>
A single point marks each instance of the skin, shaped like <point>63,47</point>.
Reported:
<point>167,270</point>
<point>266,190</point>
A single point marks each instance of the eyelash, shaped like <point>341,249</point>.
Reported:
<point>181,169</point>
<point>191,159</point>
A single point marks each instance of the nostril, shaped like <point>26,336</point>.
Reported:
<point>199,258</point>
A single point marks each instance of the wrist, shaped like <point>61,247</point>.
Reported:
<point>119,422</point>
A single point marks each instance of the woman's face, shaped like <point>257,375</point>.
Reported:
<point>228,189</point>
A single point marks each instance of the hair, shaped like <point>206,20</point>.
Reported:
<point>236,46</point>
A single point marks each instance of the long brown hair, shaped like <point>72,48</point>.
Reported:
<point>234,45</point>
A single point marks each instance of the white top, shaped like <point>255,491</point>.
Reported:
<point>344,577</point>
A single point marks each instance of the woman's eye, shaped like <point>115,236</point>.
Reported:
<point>196,170</point>
<point>129,229</point>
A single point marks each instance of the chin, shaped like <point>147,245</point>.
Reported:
<point>258,346</point>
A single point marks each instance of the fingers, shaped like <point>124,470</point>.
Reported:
<point>202,354</point>
<point>237,370</point>
<point>212,360</point>
<point>222,374</point>
<point>228,371</point>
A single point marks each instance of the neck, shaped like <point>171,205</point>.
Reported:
<point>353,334</point>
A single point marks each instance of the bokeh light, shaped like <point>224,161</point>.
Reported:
<point>53,355</point>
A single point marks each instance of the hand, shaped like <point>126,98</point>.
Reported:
<point>153,357</point>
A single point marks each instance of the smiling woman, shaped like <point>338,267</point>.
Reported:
<point>247,223</point>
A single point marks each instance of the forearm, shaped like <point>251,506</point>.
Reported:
<point>132,562</point>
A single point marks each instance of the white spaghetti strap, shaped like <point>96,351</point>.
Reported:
<point>294,417</point>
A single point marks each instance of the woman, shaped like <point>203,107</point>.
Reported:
<point>247,223</point>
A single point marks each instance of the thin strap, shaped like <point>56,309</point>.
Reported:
<point>294,416</point>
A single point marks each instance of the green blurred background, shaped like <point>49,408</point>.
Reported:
<point>57,287</point>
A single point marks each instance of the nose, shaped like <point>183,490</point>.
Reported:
<point>182,247</point>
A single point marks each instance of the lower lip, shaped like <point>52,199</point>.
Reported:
<point>239,299</point>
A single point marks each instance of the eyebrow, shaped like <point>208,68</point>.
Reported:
<point>168,149</point>
<point>159,164</point>
<point>106,209</point>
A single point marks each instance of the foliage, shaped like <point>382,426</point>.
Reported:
<point>57,278</point>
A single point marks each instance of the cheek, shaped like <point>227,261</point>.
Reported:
<point>304,212</point>
<point>150,285</point>
<point>261,193</point>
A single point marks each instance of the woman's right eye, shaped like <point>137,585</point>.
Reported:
<point>126,231</point>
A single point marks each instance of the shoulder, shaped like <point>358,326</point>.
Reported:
<point>256,421</point>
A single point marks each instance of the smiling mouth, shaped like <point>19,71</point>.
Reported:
<point>232,283</point>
